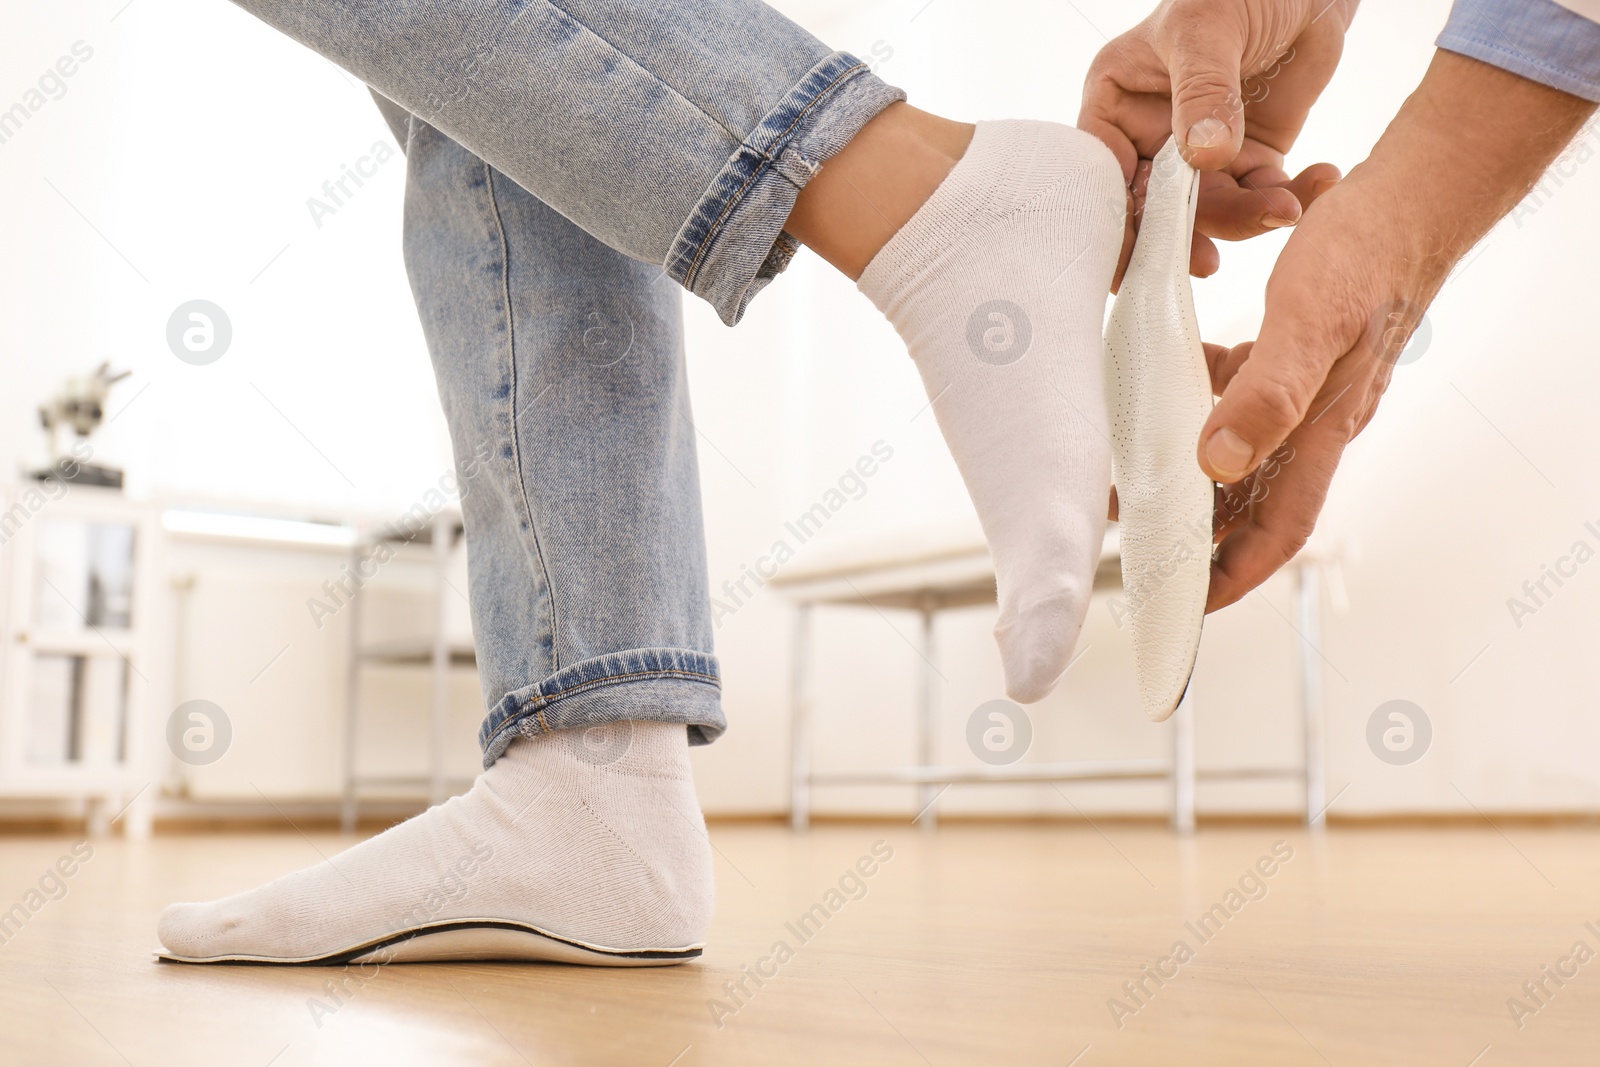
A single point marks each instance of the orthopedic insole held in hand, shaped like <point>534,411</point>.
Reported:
<point>1159,394</point>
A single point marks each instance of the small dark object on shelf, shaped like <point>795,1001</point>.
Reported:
<point>91,474</point>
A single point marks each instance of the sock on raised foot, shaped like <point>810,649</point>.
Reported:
<point>998,287</point>
<point>594,836</point>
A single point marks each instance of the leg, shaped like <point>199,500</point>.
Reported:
<point>560,368</point>
<point>990,248</point>
<point>678,133</point>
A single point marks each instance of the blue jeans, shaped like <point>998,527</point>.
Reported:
<point>562,158</point>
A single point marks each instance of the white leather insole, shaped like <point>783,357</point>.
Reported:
<point>1159,394</point>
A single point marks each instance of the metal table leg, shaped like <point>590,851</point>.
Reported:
<point>927,718</point>
<point>352,702</point>
<point>1183,775</point>
<point>1308,617</point>
<point>800,721</point>
<point>439,705</point>
<point>97,817</point>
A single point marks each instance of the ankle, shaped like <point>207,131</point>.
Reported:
<point>634,748</point>
<point>864,195</point>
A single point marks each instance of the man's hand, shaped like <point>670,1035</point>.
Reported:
<point>1234,79</point>
<point>1352,283</point>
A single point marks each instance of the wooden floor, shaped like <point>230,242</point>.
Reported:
<point>974,945</point>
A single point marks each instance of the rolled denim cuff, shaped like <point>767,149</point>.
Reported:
<point>733,243</point>
<point>641,685</point>
<point>1538,39</point>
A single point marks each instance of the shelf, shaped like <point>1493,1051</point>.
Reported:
<point>407,780</point>
<point>417,652</point>
<point>1090,771</point>
<point>1082,771</point>
<point>78,642</point>
<point>420,537</point>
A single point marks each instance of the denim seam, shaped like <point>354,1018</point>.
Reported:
<point>576,21</point>
<point>781,143</point>
<point>516,445</point>
<point>536,705</point>
<point>594,683</point>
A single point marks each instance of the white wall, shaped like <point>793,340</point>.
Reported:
<point>193,137</point>
<point>177,167</point>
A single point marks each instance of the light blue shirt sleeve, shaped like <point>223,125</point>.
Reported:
<point>1538,39</point>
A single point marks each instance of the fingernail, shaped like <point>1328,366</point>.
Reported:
<point>1229,455</point>
<point>1272,222</point>
<point>1209,133</point>
<point>1318,188</point>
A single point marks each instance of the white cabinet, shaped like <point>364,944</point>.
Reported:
<point>262,632</point>
<point>114,613</point>
<point>79,689</point>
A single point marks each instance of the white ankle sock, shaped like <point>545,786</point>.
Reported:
<point>594,836</point>
<point>998,287</point>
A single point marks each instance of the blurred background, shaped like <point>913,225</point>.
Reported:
<point>177,163</point>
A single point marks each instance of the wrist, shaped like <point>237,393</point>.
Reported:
<point>1463,151</point>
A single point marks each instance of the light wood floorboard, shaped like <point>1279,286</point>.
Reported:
<point>974,945</point>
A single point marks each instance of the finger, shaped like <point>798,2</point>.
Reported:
<point>1143,117</point>
<point>1262,404</point>
<point>1281,518</point>
<point>1111,507</point>
<point>1256,156</point>
<point>1129,232</point>
<point>1272,187</point>
<point>1204,50</point>
<point>1124,100</point>
<point>1302,336</point>
<point>1224,373</point>
<point>1114,138</point>
<point>1232,508</point>
<point>1204,259</point>
<point>1267,518</point>
<point>1138,184</point>
<point>1222,363</point>
<point>1138,188</point>
<point>1311,183</point>
<point>1229,211</point>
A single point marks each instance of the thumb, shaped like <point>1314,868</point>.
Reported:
<point>1207,109</point>
<point>1271,392</point>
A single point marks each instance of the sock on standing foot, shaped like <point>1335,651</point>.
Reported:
<point>592,835</point>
